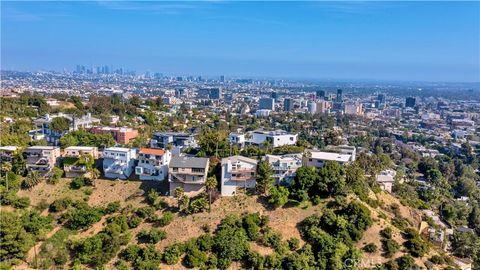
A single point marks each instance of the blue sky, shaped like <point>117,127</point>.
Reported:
<point>423,41</point>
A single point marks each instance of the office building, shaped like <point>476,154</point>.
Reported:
<point>288,104</point>
<point>266,104</point>
<point>320,94</point>
<point>215,93</point>
<point>274,95</point>
<point>410,102</point>
<point>339,95</point>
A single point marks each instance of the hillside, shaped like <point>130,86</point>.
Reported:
<point>285,220</point>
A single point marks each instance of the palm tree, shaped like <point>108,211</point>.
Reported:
<point>211,185</point>
<point>179,192</point>
<point>94,174</point>
<point>32,179</point>
<point>6,167</point>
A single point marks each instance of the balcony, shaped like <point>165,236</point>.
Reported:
<point>179,177</point>
<point>76,168</point>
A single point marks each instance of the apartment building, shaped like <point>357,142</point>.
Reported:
<point>41,158</point>
<point>237,172</point>
<point>122,135</point>
<point>189,173</point>
<point>153,164</point>
<point>276,138</point>
<point>284,166</point>
<point>118,162</point>
<point>78,160</point>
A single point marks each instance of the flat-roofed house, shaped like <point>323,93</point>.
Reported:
<point>78,160</point>
<point>41,158</point>
<point>238,172</point>
<point>318,158</point>
<point>118,162</point>
<point>7,153</point>
<point>276,138</point>
<point>189,173</point>
<point>153,164</point>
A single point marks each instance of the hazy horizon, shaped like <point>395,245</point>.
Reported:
<point>384,41</point>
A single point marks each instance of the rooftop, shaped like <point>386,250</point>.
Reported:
<point>118,149</point>
<point>150,151</point>
<point>188,162</point>
<point>83,148</point>
<point>330,156</point>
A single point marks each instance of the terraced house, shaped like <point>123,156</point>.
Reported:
<point>78,160</point>
<point>41,159</point>
<point>189,173</point>
<point>153,164</point>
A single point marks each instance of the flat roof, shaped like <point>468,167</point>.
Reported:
<point>81,148</point>
<point>41,147</point>
<point>8,148</point>
<point>240,158</point>
<point>118,149</point>
<point>330,156</point>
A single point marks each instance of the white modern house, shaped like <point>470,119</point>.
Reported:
<point>118,162</point>
<point>153,164</point>
<point>237,139</point>
<point>276,138</point>
<point>284,166</point>
<point>237,172</point>
<point>318,158</point>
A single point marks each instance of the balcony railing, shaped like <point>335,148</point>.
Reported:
<point>183,178</point>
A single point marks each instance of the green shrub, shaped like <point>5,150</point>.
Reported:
<point>152,237</point>
<point>112,207</point>
<point>60,205</point>
<point>386,233</point>
<point>293,243</point>
<point>166,219</point>
<point>172,254</point>
<point>370,248</point>
<point>390,247</point>
<point>82,217</point>
<point>80,182</point>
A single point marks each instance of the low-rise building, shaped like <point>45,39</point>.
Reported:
<point>237,172</point>
<point>75,123</point>
<point>153,164</point>
<point>276,138</point>
<point>78,160</point>
<point>7,153</point>
<point>284,167</point>
<point>237,139</point>
<point>118,162</point>
<point>175,141</point>
<point>189,173</point>
<point>122,135</point>
<point>386,179</point>
<point>318,158</point>
<point>41,159</point>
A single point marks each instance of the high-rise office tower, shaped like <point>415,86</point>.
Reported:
<point>222,78</point>
<point>266,104</point>
<point>288,104</point>
<point>215,93</point>
<point>339,95</point>
<point>380,103</point>
<point>320,94</point>
<point>274,95</point>
<point>410,102</point>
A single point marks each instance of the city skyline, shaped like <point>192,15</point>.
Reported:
<point>416,41</point>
